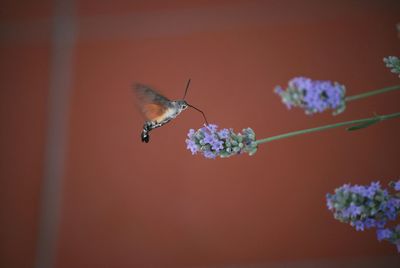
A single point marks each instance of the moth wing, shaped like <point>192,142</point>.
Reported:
<point>152,104</point>
<point>153,111</point>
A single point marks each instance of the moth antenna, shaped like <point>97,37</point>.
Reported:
<point>187,87</point>
<point>205,119</point>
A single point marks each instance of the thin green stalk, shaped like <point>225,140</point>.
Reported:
<point>342,124</point>
<point>371,93</point>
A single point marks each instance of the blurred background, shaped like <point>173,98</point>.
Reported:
<point>79,189</point>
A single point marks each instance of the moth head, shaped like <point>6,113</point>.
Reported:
<point>182,104</point>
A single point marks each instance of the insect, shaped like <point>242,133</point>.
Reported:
<point>159,110</point>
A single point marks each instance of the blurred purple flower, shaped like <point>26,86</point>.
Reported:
<point>382,234</point>
<point>397,185</point>
<point>369,223</point>
<point>365,207</point>
<point>359,226</point>
<point>354,210</point>
<point>314,96</point>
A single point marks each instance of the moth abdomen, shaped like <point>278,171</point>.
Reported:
<point>145,136</point>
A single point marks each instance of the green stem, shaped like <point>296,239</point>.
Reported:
<point>342,124</point>
<point>371,93</point>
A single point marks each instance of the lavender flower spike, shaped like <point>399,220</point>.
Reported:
<point>314,96</point>
<point>365,207</point>
<point>223,143</point>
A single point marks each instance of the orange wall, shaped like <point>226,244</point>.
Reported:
<point>24,82</point>
<point>128,204</point>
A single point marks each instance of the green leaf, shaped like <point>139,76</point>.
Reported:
<point>364,125</point>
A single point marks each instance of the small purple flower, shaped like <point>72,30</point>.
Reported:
<point>191,133</point>
<point>361,190</point>
<point>397,185</point>
<point>302,83</point>
<point>313,96</point>
<point>191,145</point>
<point>209,154</point>
<point>208,138</point>
<point>392,208</point>
<point>329,201</point>
<point>369,223</point>
<point>382,234</point>
<point>381,223</point>
<point>354,210</point>
<point>359,226</point>
<point>211,127</point>
<point>372,189</point>
<point>375,185</point>
<point>223,133</point>
<point>217,145</point>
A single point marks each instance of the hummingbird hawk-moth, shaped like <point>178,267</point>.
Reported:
<point>158,110</point>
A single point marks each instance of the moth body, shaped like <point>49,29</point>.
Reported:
<point>174,108</point>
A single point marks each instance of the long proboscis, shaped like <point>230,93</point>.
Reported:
<point>205,118</point>
<point>187,87</point>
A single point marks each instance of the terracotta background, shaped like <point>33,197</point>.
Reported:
<point>128,204</point>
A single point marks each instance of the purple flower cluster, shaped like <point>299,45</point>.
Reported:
<point>365,207</point>
<point>212,142</point>
<point>314,96</point>
<point>390,234</point>
<point>393,63</point>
